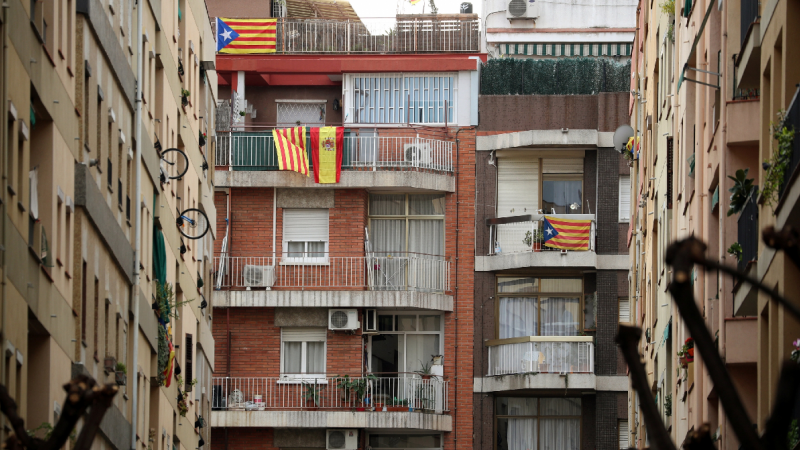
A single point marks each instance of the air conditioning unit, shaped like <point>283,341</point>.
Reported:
<point>259,276</point>
<point>522,9</point>
<point>418,154</point>
<point>342,439</point>
<point>343,319</point>
<point>370,322</point>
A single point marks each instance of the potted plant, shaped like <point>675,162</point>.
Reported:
<point>312,394</point>
<point>398,405</point>
<point>425,371</point>
<point>183,408</point>
<point>534,240</point>
<point>120,374</point>
<point>109,364</point>
<point>202,139</point>
<point>185,97</point>
<point>741,191</point>
<point>689,346</point>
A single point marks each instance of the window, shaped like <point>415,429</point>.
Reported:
<point>538,423</point>
<point>303,353</point>
<point>83,303</point>
<point>562,186</point>
<point>189,362</point>
<point>400,98</point>
<point>624,310</point>
<point>279,8</point>
<point>517,186</point>
<point>405,341</point>
<point>405,441</point>
<point>622,428</point>
<point>292,113</point>
<point>624,198</point>
<point>305,235</point>
<point>538,306</point>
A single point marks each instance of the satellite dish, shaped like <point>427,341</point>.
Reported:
<point>621,137</point>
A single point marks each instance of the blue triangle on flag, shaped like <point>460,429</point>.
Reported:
<point>225,34</point>
<point>548,230</point>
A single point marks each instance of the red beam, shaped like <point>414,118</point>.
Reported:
<point>336,64</point>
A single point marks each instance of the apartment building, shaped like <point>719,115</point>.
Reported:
<point>90,207</point>
<point>345,310</point>
<point>547,373</point>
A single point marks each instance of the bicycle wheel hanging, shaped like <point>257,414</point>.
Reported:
<point>174,163</point>
<point>193,223</point>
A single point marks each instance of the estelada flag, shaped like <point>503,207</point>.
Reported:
<point>567,234</point>
<point>246,36</point>
<point>327,146</point>
<point>290,148</point>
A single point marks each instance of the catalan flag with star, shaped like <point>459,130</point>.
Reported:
<point>246,36</point>
<point>567,234</point>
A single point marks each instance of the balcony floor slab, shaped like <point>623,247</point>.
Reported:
<point>350,179</point>
<point>335,299</point>
<point>577,381</point>
<point>551,259</point>
<point>332,419</point>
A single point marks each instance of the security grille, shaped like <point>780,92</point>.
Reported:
<point>293,114</point>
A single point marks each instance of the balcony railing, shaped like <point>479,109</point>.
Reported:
<point>386,272</point>
<point>401,34</point>
<point>749,15</point>
<point>541,354</point>
<point>748,233</point>
<point>255,150</point>
<point>526,234</point>
<point>366,393</point>
<point>792,120</point>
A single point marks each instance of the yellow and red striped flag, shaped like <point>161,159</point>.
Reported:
<point>290,147</point>
<point>246,36</point>
<point>567,234</point>
<point>327,145</point>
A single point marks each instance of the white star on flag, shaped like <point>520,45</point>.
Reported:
<point>549,231</point>
<point>226,35</point>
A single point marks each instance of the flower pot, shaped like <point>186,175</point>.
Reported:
<point>396,408</point>
<point>691,352</point>
<point>683,361</point>
<point>110,364</point>
<point>426,376</point>
<point>121,378</point>
<point>361,409</point>
<point>537,246</point>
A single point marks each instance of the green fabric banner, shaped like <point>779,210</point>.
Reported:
<point>159,257</point>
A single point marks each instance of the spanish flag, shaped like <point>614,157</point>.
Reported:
<point>290,146</point>
<point>170,364</point>
<point>327,146</point>
<point>567,234</point>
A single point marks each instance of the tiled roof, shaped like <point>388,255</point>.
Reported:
<point>321,9</point>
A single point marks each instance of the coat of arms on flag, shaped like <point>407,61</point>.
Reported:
<point>567,234</point>
<point>246,36</point>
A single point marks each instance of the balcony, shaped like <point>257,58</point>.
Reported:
<point>368,161</point>
<point>792,121</point>
<point>745,299</point>
<point>748,60</point>
<point>401,34</point>
<point>406,280</point>
<point>372,401</point>
<point>541,354</point>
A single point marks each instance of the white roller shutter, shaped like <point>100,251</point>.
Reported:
<point>305,225</point>
<point>570,165</point>
<point>517,185</point>
<point>303,334</point>
<point>624,310</point>
<point>623,434</point>
<point>624,198</point>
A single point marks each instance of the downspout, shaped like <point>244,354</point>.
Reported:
<point>723,168</point>
<point>274,221</point>
<point>138,220</point>
<point>4,115</point>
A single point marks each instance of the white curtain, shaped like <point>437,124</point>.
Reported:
<point>292,357</point>
<point>388,236</point>
<point>560,316</point>
<point>522,434</point>
<point>33,176</point>
<point>387,204</point>
<point>518,317</point>
<point>315,357</point>
<point>426,237</point>
<point>419,349</point>
<point>426,205</point>
<point>560,434</point>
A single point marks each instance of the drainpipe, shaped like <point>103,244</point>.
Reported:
<point>723,170</point>
<point>4,115</point>
<point>138,219</point>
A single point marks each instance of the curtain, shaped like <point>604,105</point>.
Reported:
<point>388,236</point>
<point>159,257</point>
<point>518,317</point>
<point>387,204</point>
<point>315,357</point>
<point>560,434</point>
<point>520,434</point>
<point>426,237</point>
<point>426,205</point>
<point>419,349</point>
<point>292,357</point>
<point>560,195</point>
<point>560,316</point>
<point>33,177</point>
<point>561,285</point>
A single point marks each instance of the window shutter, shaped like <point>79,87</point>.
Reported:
<point>569,165</point>
<point>624,198</point>
<point>188,377</point>
<point>302,334</point>
<point>624,310</point>
<point>622,427</point>
<point>517,185</point>
<point>305,225</point>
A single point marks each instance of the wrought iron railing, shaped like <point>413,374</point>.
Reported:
<point>748,232</point>
<point>398,392</point>
<point>527,234</point>
<point>749,15</point>
<point>541,354</point>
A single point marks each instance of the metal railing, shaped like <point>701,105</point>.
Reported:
<point>527,234</point>
<point>544,354</point>
<point>749,15</point>
<point>376,272</point>
<point>374,393</point>
<point>255,150</point>
<point>792,120</point>
<point>748,232</point>
<point>401,34</point>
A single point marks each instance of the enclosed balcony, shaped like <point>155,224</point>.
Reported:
<point>371,401</point>
<point>541,354</point>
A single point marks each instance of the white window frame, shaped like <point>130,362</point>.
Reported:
<point>287,260</point>
<point>295,378</point>
<point>404,333</point>
<point>624,188</point>
<point>400,92</point>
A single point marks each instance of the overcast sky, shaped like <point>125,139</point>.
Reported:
<point>388,8</point>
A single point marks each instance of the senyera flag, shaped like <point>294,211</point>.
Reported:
<point>327,146</point>
<point>567,234</point>
<point>290,148</point>
<point>246,36</point>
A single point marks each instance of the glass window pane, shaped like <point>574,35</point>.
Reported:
<point>385,323</point>
<point>315,357</point>
<point>563,196</point>
<point>561,285</point>
<point>378,441</point>
<point>387,204</point>
<point>426,205</point>
<point>516,406</point>
<point>296,249</point>
<point>517,317</point>
<point>560,407</point>
<point>407,323</point>
<point>426,237</point>
<point>316,249</point>
<point>560,434</point>
<point>430,323</point>
<point>517,285</point>
<point>517,434</point>
<point>292,357</point>
<point>385,358</point>
<point>560,316</point>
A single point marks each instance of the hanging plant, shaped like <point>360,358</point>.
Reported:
<point>735,250</point>
<point>202,139</point>
<point>668,8</point>
<point>163,352</point>
<point>741,191</point>
<point>185,97</point>
<point>180,67</point>
<point>183,408</point>
<point>779,162</point>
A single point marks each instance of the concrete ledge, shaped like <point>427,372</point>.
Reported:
<point>613,383</point>
<point>551,259</point>
<point>545,138</point>
<point>350,179</point>
<point>575,381</point>
<point>613,262</point>
<point>334,299</point>
<point>332,419</point>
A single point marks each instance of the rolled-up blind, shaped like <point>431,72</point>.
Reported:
<point>624,198</point>
<point>517,185</point>
<point>305,225</point>
<point>304,334</point>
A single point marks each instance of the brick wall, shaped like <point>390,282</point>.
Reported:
<point>607,201</point>
<point>242,438</point>
<point>485,195</point>
<point>590,181</point>
<point>607,323</point>
<point>607,435</point>
<point>588,422</point>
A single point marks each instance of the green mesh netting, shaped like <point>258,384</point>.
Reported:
<point>566,76</point>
